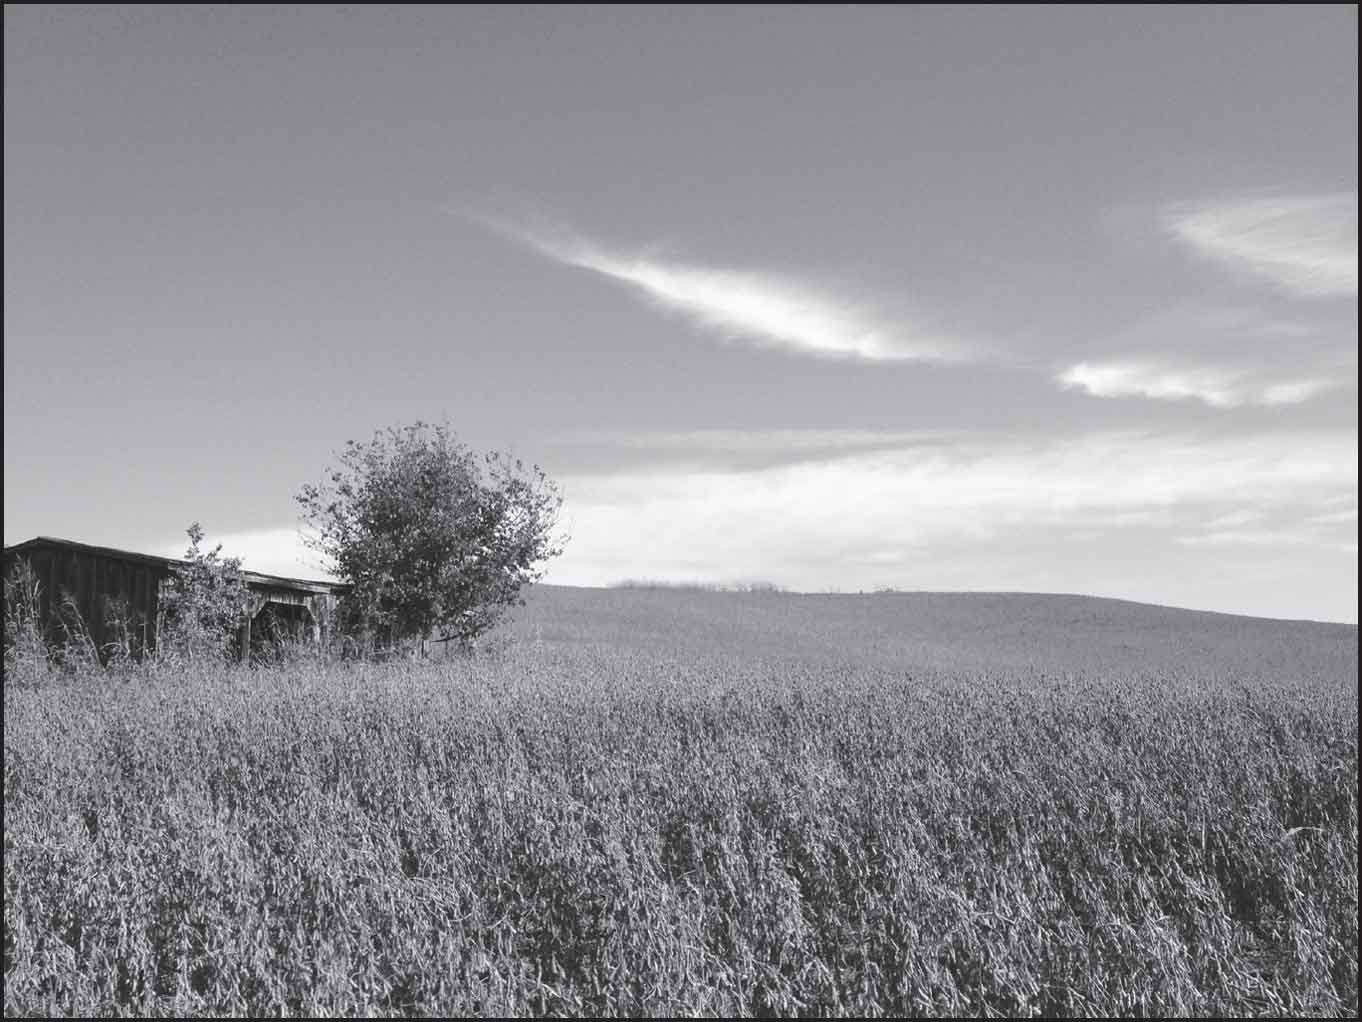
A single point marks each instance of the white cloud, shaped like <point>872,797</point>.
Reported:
<point>744,450</point>
<point>842,520</point>
<point>764,309</point>
<point>767,440</point>
<point>269,551</point>
<point>1344,517</point>
<point>1306,245</point>
<point>1225,356</point>
<point>1256,537</point>
<point>1218,386</point>
<point>1235,519</point>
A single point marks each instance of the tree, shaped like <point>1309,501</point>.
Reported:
<point>431,538</point>
<point>203,602</point>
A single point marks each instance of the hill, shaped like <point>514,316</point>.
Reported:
<point>956,632</point>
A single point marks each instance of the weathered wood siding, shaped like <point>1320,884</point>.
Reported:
<point>96,583</point>
<point>98,580</point>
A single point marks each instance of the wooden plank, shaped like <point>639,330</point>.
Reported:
<point>72,585</point>
<point>139,599</point>
<point>54,590</point>
<point>95,585</point>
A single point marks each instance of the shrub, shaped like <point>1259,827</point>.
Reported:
<point>432,539</point>
<point>203,603</point>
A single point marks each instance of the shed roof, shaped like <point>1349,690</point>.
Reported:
<point>155,560</point>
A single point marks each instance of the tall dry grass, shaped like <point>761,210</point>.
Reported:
<point>584,831</point>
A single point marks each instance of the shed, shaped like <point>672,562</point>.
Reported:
<point>97,578</point>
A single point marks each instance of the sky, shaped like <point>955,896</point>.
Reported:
<point>837,298</point>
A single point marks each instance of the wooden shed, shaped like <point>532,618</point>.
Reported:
<point>98,580</point>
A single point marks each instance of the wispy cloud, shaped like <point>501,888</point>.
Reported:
<point>1235,519</point>
<point>761,308</point>
<point>1305,245</point>
<point>1345,517</point>
<point>1219,386</point>
<point>766,440</point>
<point>1263,538</point>
<point>1224,356</point>
<point>1248,537</point>
<point>809,524</point>
<point>732,450</point>
<point>1257,527</point>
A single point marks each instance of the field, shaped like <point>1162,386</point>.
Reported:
<point>653,802</point>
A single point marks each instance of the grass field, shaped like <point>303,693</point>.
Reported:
<point>665,802</point>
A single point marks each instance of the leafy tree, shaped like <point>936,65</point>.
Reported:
<point>203,602</point>
<point>433,539</point>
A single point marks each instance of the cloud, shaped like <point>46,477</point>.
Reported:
<point>851,520</point>
<point>1305,245</point>
<point>1182,518</point>
<point>1258,537</point>
<point>1235,519</point>
<point>742,450</point>
<point>1218,386</point>
<point>1224,356</point>
<point>269,551</point>
<point>764,309</point>
<point>1344,517</point>
<point>769,440</point>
